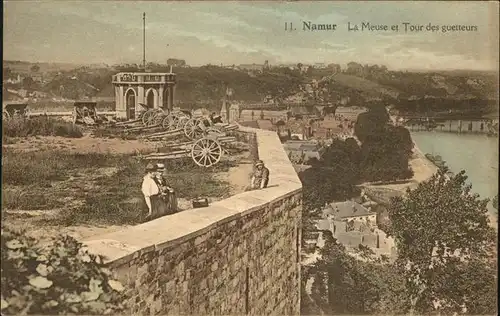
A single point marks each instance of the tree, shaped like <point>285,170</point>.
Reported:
<point>176,62</point>
<point>444,246</point>
<point>385,149</point>
<point>35,68</point>
<point>372,122</point>
<point>28,83</point>
<point>495,202</point>
<point>355,287</point>
<point>7,73</point>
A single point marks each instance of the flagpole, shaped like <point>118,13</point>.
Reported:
<point>144,41</point>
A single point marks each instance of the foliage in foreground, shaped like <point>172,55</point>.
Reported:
<point>345,285</point>
<point>446,247</point>
<point>61,279</point>
<point>40,126</point>
<point>446,259</point>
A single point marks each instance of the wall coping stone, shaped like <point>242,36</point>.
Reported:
<point>120,247</point>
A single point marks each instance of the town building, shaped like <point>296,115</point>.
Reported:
<point>301,152</point>
<point>16,80</point>
<point>349,211</point>
<point>353,225</point>
<point>350,113</point>
<point>234,113</point>
<point>251,67</point>
<point>250,115</point>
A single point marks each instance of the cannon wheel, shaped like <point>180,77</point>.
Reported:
<point>145,117</point>
<point>183,119</point>
<point>192,129</point>
<point>213,130</point>
<point>158,119</point>
<point>170,122</point>
<point>152,119</point>
<point>206,152</point>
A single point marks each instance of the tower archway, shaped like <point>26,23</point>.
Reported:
<point>130,97</point>
<point>151,98</point>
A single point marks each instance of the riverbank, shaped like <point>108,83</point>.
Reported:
<point>474,153</point>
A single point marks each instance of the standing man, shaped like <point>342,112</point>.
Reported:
<point>167,192</point>
<point>149,188</point>
<point>260,176</point>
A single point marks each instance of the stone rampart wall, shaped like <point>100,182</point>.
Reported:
<point>237,256</point>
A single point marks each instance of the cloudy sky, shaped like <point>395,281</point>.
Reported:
<point>243,32</point>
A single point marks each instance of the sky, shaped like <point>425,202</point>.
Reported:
<point>251,32</point>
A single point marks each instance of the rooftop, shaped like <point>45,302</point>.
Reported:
<point>301,146</point>
<point>323,224</point>
<point>346,209</point>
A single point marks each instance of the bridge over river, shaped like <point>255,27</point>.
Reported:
<point>457,124</point>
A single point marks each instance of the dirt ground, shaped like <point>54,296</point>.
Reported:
<point>237,177</point>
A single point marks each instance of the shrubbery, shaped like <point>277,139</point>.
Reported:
<point>61,279</point>
<point>40,126</point>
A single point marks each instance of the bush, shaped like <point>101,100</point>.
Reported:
<point>40,126</point>
<point>61,279</point>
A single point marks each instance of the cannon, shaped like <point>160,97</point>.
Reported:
<point>15,109</point>
<point>84,112</point>
<point>205,151</point>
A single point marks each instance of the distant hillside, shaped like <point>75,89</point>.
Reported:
<point>368,88</point>
<point>24,67</point>
<point>408,91</point>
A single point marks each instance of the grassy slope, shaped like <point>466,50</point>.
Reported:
<point>368,88</point>
<point>94,188</point>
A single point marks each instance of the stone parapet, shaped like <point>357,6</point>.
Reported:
<point>240,255</point>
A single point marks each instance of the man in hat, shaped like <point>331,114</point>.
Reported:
<point>150,188</point>
<point>260,176</point>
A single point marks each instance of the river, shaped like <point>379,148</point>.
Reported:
<point>477,154</point>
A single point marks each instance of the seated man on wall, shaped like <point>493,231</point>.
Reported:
<point>260,176</point>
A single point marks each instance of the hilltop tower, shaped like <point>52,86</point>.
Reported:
<point>136,91</point>
<point>142,90</point>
